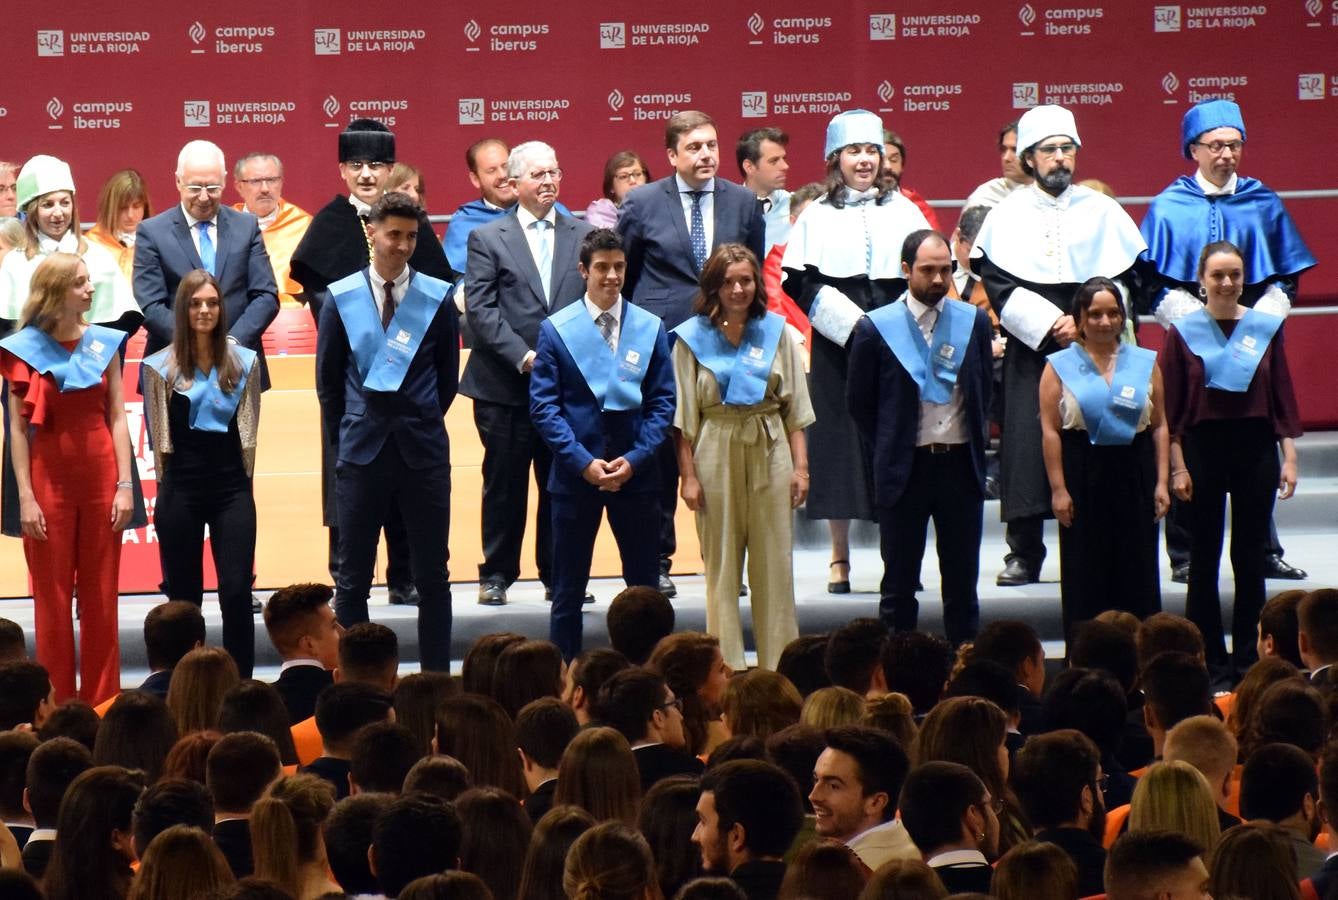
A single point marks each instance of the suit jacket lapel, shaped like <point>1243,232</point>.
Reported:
<point>182,230</point>
<point>680,222</point>
<point>514,236</point>
<point>224,232</point>
<point>564,262</point>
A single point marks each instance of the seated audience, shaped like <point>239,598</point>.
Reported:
<point>415,835</point>
<point>1265,673</point>
<point>416,699</point>
<point>1208,745</point>
<point>1035,870</point>
<point>586,675</point>
<point>52,768</point>
<point>199,682</point>
<point>1093,702</point>
<point>638,618</point>
<point>1317,633</point>
<point>170,802</point>
<point>252,705</point>
<point>72,719</point>
<point>1165,632</point>
<point>1279,628</point>
<point>759,703</point>
<point>13,645</point>
<point>286,837</point>
<point>495,837</point>
<point>696,673</point>
<point>441,776</point>
<point>544,728</point>
<point>137,732</point>
<point>380,758</point>
<point>894,714</point>
<point>804,662</point>
<point>447,886</point>
<point>526,671</point>
<point>954,820</point>
<point>181,862</point>
<point>240,768</point>
<point>478,732</point>
<point>303,628</point>
<point>553,835</point>
<point>748,815</point>
<point>639,704</point>
<point>832,707</point>
<point>988,680</point>
<point>1149,864</point>
<point>667,820</point>
<point>1057,778</point>
<point>1279,785</point>
<point>27,696</point>
<point>16,749</point>
<point>610,861</point>
<point>1016,646</point>
<point>853,657</point>
<point>1254,861</point>
<point>187,757</point>
<point>171,630</point>
<point>1289,712</point>
<point>857,780</point>
<point>745,746</point>
<point>348,835</point>
<point>1104,645</point>
<point>823,870</point>
<point>93,848</point>
<point>1328,798</point>
<point>917,665</point>
<point>342,710</point>
<point>369,653</point>
<point>710,889</point>
<point>1176,796</point>
<point>598,773</point>
<point>904,879</point>
<point>1175,685</point>
<point>480,662</point>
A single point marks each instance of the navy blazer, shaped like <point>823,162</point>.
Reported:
<point>413,414</point>
<point>568,418</point>
<point>661,275</point>
<point>885,403</point>
<point>165,253</point>
<point>504,302</point>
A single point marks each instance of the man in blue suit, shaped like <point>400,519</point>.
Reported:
<point>387,358</point>
<point>920,376</point>
<point>669,229</point>
<point>602,398</point>
<point>201,233</point>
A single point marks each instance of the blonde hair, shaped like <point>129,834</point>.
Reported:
<point>180,863</point>
<point>286,829</point>
<point>199,682</point>
<point>894,714</point>
<point>831,707</point>
<point>1176,796</point>
<point>1035,870</point>
<point>51,282</point>
<point>759,703</point>
<point>1206,744</point>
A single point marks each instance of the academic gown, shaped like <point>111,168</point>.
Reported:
<point>282,235</point>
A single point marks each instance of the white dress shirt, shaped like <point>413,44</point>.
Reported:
<point>534,235</point>
<point>191,222</point>
<point>1212,190</point>
<point>363,209</point>
<point>399,287</point>
<point>940,423</point>
<point>615,310</point>
<point>707,204</point>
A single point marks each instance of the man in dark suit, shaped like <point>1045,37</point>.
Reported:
<point>954,821</point>
<point>521,269</point>
<point>920,376</point>
<point>642,707</point>
<point>1317,636</point>
<point>342,710</point>
<point>748,815</point>
<point>201,233</point>
<point>602,399</point>
<point>544,728</point>
<point>238,771</point>
<point>669,228</point>
<point>52,767</point>
<point>387,363</point>
<point>1057,778</point>
<point>305,631</point>
<point>171,630</point>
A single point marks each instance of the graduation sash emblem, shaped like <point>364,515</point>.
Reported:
<point>613,377</point>
<point>1112,411</point>
<point>1229,364</point>
<point>383,355</point>
<point>74,370</point>
<point>932,366</point>
<point>211,408</point>
<point>741,372</point>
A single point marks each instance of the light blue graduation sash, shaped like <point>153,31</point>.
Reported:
<point>383,355</point>
<point>74,370</point>
<point>614,378</point>
<point>1110,411</point>
<point>934,366</point>
<point>1229,364</point>
<point>211,409</point>
<point>741,372</point>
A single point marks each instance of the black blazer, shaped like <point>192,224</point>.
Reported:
<point>332,770</point>
<point>966,878</point>
<point>157,684</point>
<point>36,855</point>
<point>661,761</point>
<point>505,302</point>
<point>1087,854</point>
<point>760,879</point>
<point>541,801</point>
<point>233,838</point>
<point>885,404</point>
<point>298,686</point>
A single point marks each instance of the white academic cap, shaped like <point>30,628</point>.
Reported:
<point>42,175</point>
<point>1040,122</point>
<point>854,126</point>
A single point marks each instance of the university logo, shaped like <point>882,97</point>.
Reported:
<point>1027,16</point>
<point>1166,18</point>
<point>612,35</point>
<point>1310,87</point>
<point>1170,84</point>
<point>51,43</point>
<point>55,109</point>
<point>883,27</point>
<point>1314,7</point>
<point>472,31</point>
<point>754,104</point>
<point>330,107</point>
<point>616,100</point>
<point>328,41</point>
<point>471,111</point>
<point>196,32</point>
<point>885,94</point>
<point>756,23</point>
<point>1026,94</point>
<point>196,113</point>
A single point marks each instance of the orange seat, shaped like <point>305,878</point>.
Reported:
<point>1115,820</point>
<point>101,708</point>
<point>292,333</point>
<point>1233,791</point>
<point>1225,703</point>
<point>307,740</point>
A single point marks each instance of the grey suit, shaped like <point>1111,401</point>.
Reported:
<point>505,303</point>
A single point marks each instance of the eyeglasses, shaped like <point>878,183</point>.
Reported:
<point>213,190</point>
<point>359,164</point>
<point>995,803</point>
<point>676,703</point>
<point>1216,147</point>
<point>1103,783</point>
<point>260,182</point>
<point>545,174</point>
<point>629,176</point>
<point>1056,149</point>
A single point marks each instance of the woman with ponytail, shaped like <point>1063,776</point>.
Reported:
<point>286,840</point>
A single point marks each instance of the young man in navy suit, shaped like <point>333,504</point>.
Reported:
<point>602,399</point>
<point>387,363</point>
<point>920,375</point>
<point>669,229</point>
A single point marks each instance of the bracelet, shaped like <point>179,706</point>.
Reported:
<point>803,475</point>
<point>124,484</point>
<point>1180,472</point>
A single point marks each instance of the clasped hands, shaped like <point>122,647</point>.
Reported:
<point>608,475</point>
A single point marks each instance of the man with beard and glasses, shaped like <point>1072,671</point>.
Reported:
<point>747,816</point>
<point>1057,776</point>
<point>1279,784</point>
<point>1033,251</point>
<point>919,383</point>
<point>259,181</point>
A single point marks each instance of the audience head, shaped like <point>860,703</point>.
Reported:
<point>26,695</point>
<point>1145,865</point>
<point>476,675</point>
<point>744,746</point>
<point>552,837</point>
<point>804,662</point>
<point>1164,632</point>
<point>286,829</point>
<point>904,879</point>
<point>1177,796</point>
<point>16,884</point>
<point>494,843</point>
<point>1254,860</point>
<point>199,681</point>
<point>599,774</point>
<point>705,888</point>
<point>694,670</point>
<point>416,699</point>
<point>181,863</point>
<point>610,861</point>
<point>1091,701</point>
<point>824,869</point>
<point>1317,621</point>
<point>748,809</point>
<point>918,665</point>
<point>988,680</point>
<point>1207,745</point>
<point>13,645</point>
<point>415,835</point>
<point>95,844</point>
<point>586,675</point>
<point>796,750</point>
<point>853,654</point>
<point>171,801</point>
<point>447,886</point>
<point>623,171</point>
<point>16,749</point>
<point>369,652</point>
<point>487,172</point>
<point>441,776</point>
<point>760,154</point>
<point>137,732</point>
<point>894,714</point>
<point>638,619</point>
<point>544,728</point>
<point>302,624</point>
<point>1056,777</point>
<point>1279,784</point>
<point>348,833</point>
<point>252,888</point>
<point>1176,687</point>
<point>52,768</point>
<point>239,769</point>
<point>830,707</point>
<point>1034,870</point>
<point>668,822</point>
<point>526,671</point>
<point>171,630</point>
<point>1107,647</point>
<point>759,702</point>
<point>970,731</point>
<point>72,719</point>
<point>187,757</point>
<point>478,732</point>
<point>408,180</point>
<point>252,705</point>
<point>1279,628</point>
<point>1015,646</point>
<point>382,755</point>
<point>1265,673</point>
<point>641,706</point>
<point>944,806</point>
<point>1290,712</point>
<point>858,778</point>
<point>345,707</point>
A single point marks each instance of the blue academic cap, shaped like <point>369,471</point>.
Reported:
<point>1204,117</point>
<point>854,126</point>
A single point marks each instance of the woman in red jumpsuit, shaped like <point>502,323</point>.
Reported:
<point>71,453</point>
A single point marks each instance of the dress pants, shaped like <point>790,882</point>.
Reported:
<point>1240,458</point>
<point>1026,542</point>
<point>365,496</point>
<point>510,447</point>
<point>1178,537</point>
<point>181,514</point>
<point>666,457</point>
<point>399,574</point>
<point>634,520</point>
<point>942,487</point>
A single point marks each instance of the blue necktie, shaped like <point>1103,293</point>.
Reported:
<point>206,247</point>
<point>544,260</point>
<point>698,231</point>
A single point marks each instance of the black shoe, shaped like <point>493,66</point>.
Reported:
<point>256,608</point>
<point>1180,573</point>
<point>1277,567</point>
<point>991,488</point>
<point>548,596</point>
<point>492,593</point>
<point>666,585</point>
<point>839,587</point>
<point>743,590</point>
<point>403,596</point>
<point>1014,573</point>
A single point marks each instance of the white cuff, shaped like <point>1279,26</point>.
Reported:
<point>1175,305</point>
<point>525,360</point>
<point>834,315</point>
<point>1274,301</point>
<point>1028,316</point>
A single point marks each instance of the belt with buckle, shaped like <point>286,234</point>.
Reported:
<point>939,449</point>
